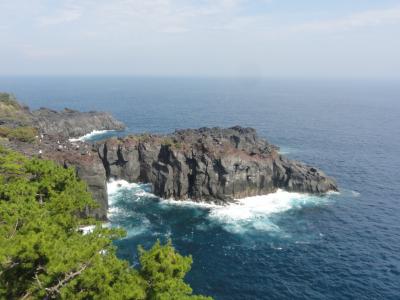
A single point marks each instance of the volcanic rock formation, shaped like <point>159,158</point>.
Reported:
<point>209,164</point>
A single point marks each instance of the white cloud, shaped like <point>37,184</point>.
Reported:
<point>358,20</point>
<point>166,16</point>
<point>65,15</point>
<point>171,16</point>
<point>190,37</point>
<point>40,53</point>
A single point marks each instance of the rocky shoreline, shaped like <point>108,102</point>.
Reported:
<point>208,164</point>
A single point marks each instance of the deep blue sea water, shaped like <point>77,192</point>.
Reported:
<point>283,246</point>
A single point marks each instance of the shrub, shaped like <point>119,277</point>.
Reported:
<point>23,134</point>
<point>9,100</point>
<point>167,141</point>
<point>171,143</point>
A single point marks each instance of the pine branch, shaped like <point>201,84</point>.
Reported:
<point>56,289</point>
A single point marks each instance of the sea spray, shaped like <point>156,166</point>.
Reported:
<point>121,195</point>
<point>256,213</point>
<point>90,135</point>
<point>116,186</point>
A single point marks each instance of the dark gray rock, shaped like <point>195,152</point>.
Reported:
<point>209,164</point>
<point>72,124</point>
<point>93,173</point>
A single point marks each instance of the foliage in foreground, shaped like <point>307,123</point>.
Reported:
<point>43,255</point>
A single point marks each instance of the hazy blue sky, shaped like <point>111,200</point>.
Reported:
<point>278,38</point>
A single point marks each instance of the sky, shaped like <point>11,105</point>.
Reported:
<point>258,38</point>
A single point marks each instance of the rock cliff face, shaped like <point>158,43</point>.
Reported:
<point>90,169</point>
<point>209,164</point>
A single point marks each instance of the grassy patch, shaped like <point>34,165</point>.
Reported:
<point>23,134</point>
<point>11,110</point>
<point>171,143</point>
<point>9,100</point>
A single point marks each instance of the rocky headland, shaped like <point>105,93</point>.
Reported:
<point>70,123</point>
<point>208,164</point>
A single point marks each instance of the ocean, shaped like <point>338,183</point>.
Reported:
<point>279,246</point>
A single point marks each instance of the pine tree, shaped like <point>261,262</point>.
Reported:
<point>164,270</point>
<point>43,254</point>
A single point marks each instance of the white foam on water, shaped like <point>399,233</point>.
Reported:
<point>187,203</point>
<point>253,213</point>
<point>245,215</point>
<point>251,207</point>
<point>347,193</point>
<point>138,230</point>
<point>89,136</point>
<point>115,189</point>
<point>115,186</point>
<point>334,193</point>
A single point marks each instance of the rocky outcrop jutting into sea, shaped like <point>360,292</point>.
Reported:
<point>207,164</point>
<point>72,124</point>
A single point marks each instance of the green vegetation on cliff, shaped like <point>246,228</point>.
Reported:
<point>16,120</point>
<point>9,100</point>
<point>23,134</point>
<point>10,109</point>
<point>43,254</point>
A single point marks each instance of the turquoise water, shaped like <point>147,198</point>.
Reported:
<point>283,246</point>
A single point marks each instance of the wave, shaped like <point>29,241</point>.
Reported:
<point>250,207</point>
<point>89,136</point>
<point>121,194</point>
<point>347,193</point>
<point>118,188</point>
<point>115,186</point>
<point>245,215</point>
<point>187,203</point>
<point>253,213</point>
